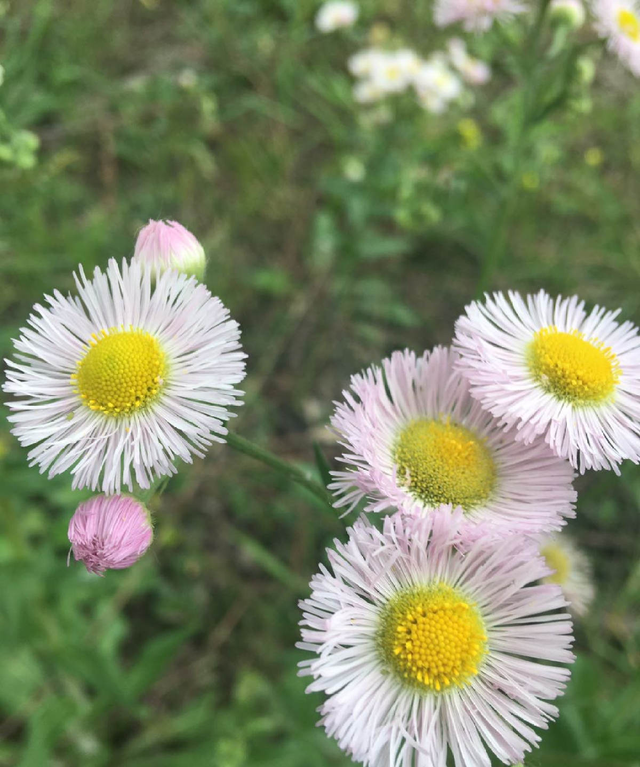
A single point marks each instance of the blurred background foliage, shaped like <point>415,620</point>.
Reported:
<point>335,234</point>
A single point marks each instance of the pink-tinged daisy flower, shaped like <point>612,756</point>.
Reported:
<point>571,571</point>
<point>475,15</point>
<point>118,383</point>
<point>473,70</point>
<point>110,533</point>
<point>414,439</point>
<point>618,22</point>
<point>425,644</point>
<point>549,369</point>
<point>336,14</point>
<point>163,245</point>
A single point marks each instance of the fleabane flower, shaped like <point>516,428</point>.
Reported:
<point>426,644</point>
<point>475,15</point>
<point>110,532</point>
<point>571,570</point>
<point>436,85</point>
<point>336,15</point>
<point>163,245</point>
<point>618,22</point>
<point>414,439</point>
<point>549,369</point>
<point>119,382</point>
<point>364,62</point>
<point>473,70</point>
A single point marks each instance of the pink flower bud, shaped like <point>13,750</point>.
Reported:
<point>168,245</point>
<point>110,532</point>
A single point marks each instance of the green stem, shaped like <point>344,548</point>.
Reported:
<point>285,468</point>
<point>507,201</point>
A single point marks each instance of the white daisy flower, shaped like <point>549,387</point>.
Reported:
<point>436,84</point>
<point>475,15</point>
<point>336,15</point>
<point>414,439</point>
<point>118,383</point>
<point>367,92</point>
<point>393,71</point>
<point>571,571</point>
<point>362,63</point>
<point>618,21</point>
<point>425,643</point>
<point>548,368</point>
<point>473,70</point>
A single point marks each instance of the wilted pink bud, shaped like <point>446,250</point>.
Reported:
<point>110,532</point>
<point>168,245</point>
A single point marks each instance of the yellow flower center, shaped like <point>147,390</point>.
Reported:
<point>121,372</point>
<point>557,560</point>
<point>432,637</point>
<point>442,462</point>
<point>573,368</point>
<point>629,24</point>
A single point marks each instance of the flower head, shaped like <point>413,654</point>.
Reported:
<point>110,532</point>
<point>426,643</point>
<point>550,369</point>
<point>414,439</point>
<point>475,15</point>
<point>436,85</point>
<point>473,70</point>
<point>571,570</point>
<point>618,22</point>
<point>165,245</point>
<point>123,380</point>
<point>336,15</point>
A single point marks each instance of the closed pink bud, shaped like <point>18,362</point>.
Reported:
<point>110,532</point>
<point>168,245</point>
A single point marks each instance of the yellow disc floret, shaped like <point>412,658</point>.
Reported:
<point>443,462</point>
<point>121,372</point>
<point>557,560</point>
<point>432,637</point>
<point>629,24</point>
<point>578,370</point>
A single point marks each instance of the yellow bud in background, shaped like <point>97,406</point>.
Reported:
<point>470,133</point>
<point>594,156</point>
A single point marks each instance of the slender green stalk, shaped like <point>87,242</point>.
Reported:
<point>285,468</point>
<point>507,201</point>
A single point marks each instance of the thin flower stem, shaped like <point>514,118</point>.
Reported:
<point>507,202</point>
<point>285,468</point>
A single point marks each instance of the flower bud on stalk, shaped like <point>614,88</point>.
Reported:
<point>168,245</point>
<point>110,532</point>
<point>568,12</point>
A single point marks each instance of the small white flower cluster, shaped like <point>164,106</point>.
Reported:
<point>437,80</point>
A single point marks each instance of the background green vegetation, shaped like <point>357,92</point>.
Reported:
<point>334,240</point>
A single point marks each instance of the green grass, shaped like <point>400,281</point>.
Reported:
<point>188,658</point>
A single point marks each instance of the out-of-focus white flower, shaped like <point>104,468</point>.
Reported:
<point>472,70</point>
<point>436,85</point>
<point>475,15</point>
<point>618,21</point>
<point>363,63</point>
<point>570,12</point>
<point>367,92</point>
<point>336,15</point>
<point>394,71</point>
<point>571,571</point>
